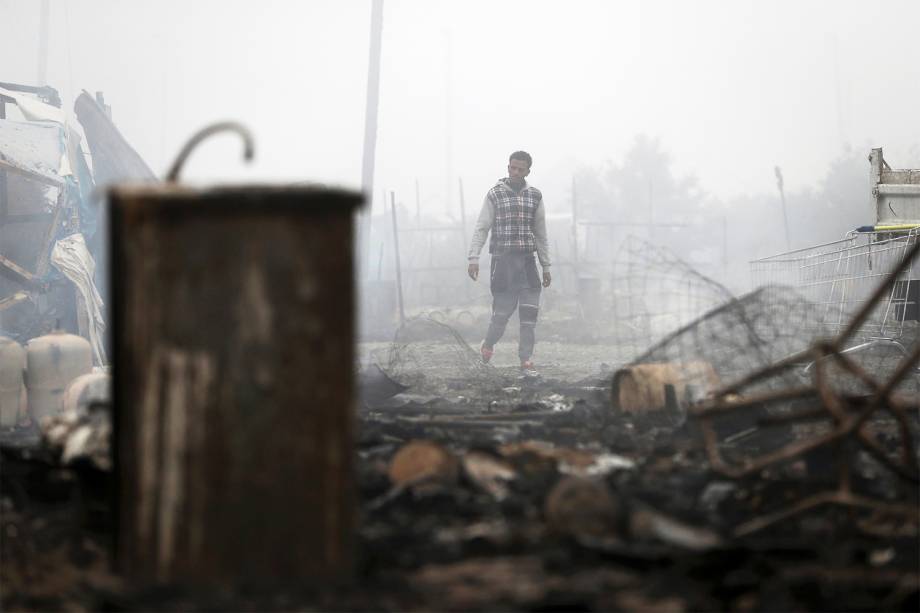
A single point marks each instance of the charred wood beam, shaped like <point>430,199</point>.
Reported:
<point>12,270</point>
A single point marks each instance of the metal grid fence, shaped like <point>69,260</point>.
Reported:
<point>836,279</point>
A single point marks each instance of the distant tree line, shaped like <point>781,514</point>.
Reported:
<point>643,189</point>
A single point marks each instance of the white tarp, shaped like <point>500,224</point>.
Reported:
<point>35,148</point>
<point>46,120</point>
<point>34,109</point>
<point>73,259</point>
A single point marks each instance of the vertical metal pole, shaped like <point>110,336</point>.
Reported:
<point>370,225</point>
<point>575,233</point>
<point>782,195</point>
<point>651,212</point>
<point>399,292</point>
<point>418,206</point>
<point>370,123</point>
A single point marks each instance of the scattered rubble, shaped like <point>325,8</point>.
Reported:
<point>764,492</point>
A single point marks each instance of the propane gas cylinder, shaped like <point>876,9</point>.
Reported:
<point>53,361</point>
<point>12,363</point>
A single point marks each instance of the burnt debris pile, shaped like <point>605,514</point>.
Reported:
<point>747,460</point>
<point>740,462</point>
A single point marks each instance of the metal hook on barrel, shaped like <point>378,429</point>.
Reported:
<point>194,141</point>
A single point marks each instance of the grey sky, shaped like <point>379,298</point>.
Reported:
<point>730,88</point>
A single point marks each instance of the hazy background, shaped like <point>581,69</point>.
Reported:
<point>718,92</point>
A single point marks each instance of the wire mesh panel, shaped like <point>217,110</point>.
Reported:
<point>836,279</point>
<point>654,293</point>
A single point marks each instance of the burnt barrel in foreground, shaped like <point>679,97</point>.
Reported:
<point>233,383</point>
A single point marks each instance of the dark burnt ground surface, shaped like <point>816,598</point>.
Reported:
<point>549,501</point>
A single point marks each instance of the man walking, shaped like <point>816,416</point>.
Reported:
<point>514,212</point>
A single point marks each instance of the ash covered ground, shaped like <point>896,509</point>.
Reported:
<point>482,489</point>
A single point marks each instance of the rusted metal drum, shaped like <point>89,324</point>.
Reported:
<point>645,387</point>
<point>233,383</point>
<point>12,364</point>
<point>52,362</point>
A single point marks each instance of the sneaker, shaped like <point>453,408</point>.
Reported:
<point>527,369</point>
<point>485,352</point>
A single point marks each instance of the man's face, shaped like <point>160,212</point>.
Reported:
<point>517,170</point>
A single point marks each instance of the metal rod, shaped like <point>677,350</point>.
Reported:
<point>575,232</point>
<point>370,126</point>
<point>782,196</point>
<point>651,213</point>
<point>418,206</point>
<point>367,255</point>
<point>222,126</point>
<point>399,291</point>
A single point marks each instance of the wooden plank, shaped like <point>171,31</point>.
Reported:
<point>233,314</point>
<point>14,270</point>
<point>11,301</point>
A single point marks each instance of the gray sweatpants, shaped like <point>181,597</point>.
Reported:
<point>515,285</point>
<point>527,302</point>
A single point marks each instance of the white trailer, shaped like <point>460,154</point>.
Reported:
<point>895,194</point>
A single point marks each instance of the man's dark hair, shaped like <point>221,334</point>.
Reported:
<point>522,156</point>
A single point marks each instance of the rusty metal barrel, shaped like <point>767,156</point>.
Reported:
<point>233,383</point>
<point>639,388</point>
